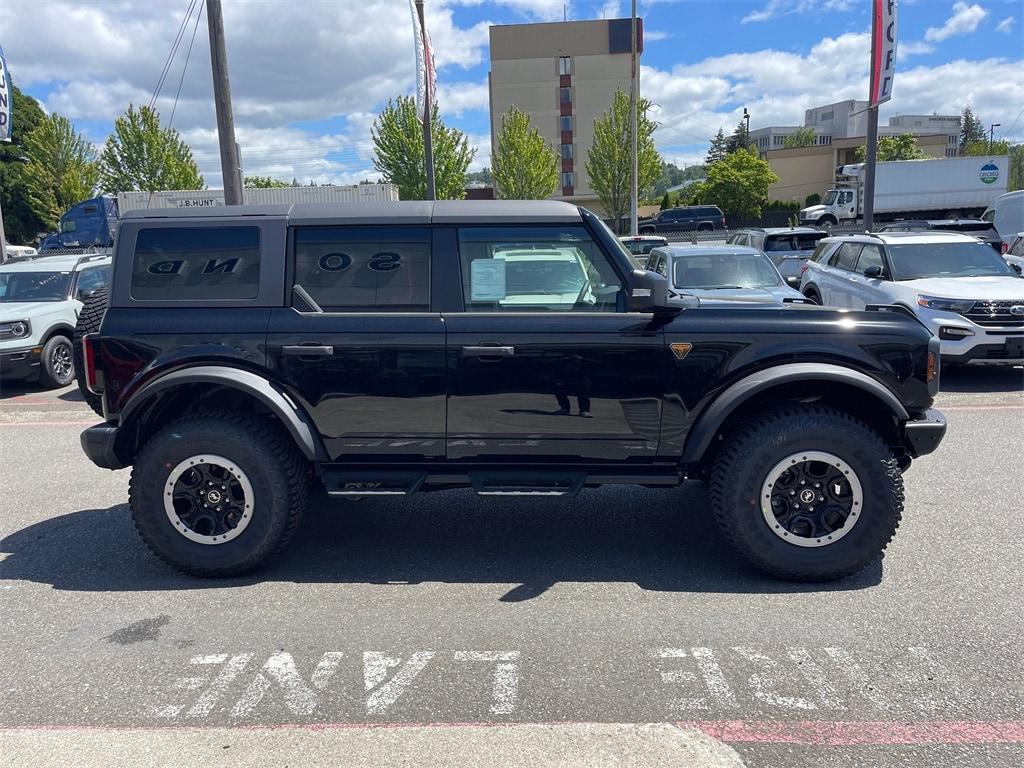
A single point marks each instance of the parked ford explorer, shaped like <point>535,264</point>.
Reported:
<point>510,348</point>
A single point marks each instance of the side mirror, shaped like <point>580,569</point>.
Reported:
<point>647,292</point>
<point>1017,268</point>
<point>874,272</point>
<point>793,281</point>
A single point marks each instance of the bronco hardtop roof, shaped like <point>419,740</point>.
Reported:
<point>403,212</point>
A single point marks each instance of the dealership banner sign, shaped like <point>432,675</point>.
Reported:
<point>6,99</point>
<point>883,51</point>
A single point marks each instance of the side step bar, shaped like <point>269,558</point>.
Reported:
<point>519,483</point>
<point>373,482</point>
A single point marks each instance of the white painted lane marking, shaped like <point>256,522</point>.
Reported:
<point>763,682</point>
<point>506,677</point>
<point>856,675</point>
<point>301,699</point>
<point>680,676</point>
<point>816,677</point>
<point>714,679</point>
<point>375,670</point>
<point>233,668</point>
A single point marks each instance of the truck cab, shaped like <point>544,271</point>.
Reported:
<point>88,224</point>
<point>841,203</point>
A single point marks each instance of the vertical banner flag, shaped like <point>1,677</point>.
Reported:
<point>426,77</point>
<point>883,51</point>
<point>6,99</point>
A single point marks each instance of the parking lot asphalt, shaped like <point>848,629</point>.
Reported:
<point>613,628</point>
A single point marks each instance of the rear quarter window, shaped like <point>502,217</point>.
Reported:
<point>196,263</point>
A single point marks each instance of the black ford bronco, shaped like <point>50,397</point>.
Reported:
<point>507,347</point>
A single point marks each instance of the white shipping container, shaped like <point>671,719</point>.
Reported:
<point>207,198</point>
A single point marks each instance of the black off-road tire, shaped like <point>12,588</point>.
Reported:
<point>89,320</point>
<point>756,446</point>
<point>277,471</point>
<point>50,375</point>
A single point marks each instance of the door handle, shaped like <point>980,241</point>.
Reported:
<point>485,351</point>
<point>306,350</point>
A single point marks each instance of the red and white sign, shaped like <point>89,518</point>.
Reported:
<point>426,77</point>
<point>883,51</point>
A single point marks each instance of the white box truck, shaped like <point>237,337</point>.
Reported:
<point>205,198</point>
<point>943,188</point>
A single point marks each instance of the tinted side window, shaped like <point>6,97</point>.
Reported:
<point>870,256</point>
<point>196,263</point>
<point>365,269</point>
<point>846,256</point>
<point>556,268</point>
<point>821,251</point>
<point>92,278</point>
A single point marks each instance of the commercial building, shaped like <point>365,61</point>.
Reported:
<point>841,128</point>
<point>564,75</point>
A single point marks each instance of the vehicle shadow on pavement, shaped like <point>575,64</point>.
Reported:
<point>982,379</point>
<point>660,540</point>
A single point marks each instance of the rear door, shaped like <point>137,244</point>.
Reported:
<point>543,365</point>
<point>835,281</point>
<point>367,355</point>
<point>865,290</point>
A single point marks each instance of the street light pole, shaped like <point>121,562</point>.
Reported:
<point>992,135</point>
<point>633,87</point>
<point>229,163</point>
<point>746,116</point>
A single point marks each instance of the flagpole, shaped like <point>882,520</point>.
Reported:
<point>633,96</point>
<point>428,149</point>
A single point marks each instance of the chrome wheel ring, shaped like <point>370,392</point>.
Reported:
<point>61,362</point>
<point>811,499</point>
<point>208,499</point>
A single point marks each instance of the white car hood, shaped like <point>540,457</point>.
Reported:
<point>997,288</point>
<point>24,310</point>
<point>807,212</point>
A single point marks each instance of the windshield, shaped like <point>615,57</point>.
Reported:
<point>543,277</point>
<point>912,262</point>
<point>725,270</point>
<point>775,243</point>
<point>34,286</point>
<point>830,197</point>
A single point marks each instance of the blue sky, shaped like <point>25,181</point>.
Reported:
<point>306,94</point>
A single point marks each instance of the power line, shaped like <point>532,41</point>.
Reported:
<point>184,68</point>
<point>170,56</point>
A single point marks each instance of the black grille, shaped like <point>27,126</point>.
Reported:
<point>996,313</point>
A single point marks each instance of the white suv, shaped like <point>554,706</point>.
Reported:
<point>956,285</point>
<point>40,298</point>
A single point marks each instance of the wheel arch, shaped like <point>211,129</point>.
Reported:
<point>208,387</point>
<point>845,388</point>
<point>58,329</point>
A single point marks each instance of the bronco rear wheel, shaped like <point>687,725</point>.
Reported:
<point>807,493</point>
<point>217,495</point>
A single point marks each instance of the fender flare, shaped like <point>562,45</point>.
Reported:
<point>62,329</point>
<point>298,423</point>
<point>715,414</point>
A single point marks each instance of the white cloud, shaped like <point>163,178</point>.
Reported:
<point>965,19</point>
<point>1006,25</point>
<point>914,48</point>
<point>653,35</point>
<point>784,7</point>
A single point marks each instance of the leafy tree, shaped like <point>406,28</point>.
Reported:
<point>483,176</point>
<point>802,137</point>
<point>525,166</point>
<point>903,147</point>
<point>609,162</point>
<point>141,155</point>
<point>740,138</point>
<point>265,182</point>
<point>812,199</point>
<point>978,148</point>
<point>719,148</point>
<point>21,222</point>
<point>61,168</point>
<point>399,155</point>
<point>739,184</point>
<point>1015,180</point>
<point>971,128</point>
<point>666,202</point>
<point>672,175</point>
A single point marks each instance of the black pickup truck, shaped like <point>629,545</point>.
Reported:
<point>511,348</point>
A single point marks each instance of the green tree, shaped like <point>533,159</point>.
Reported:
<point>739,184</point>
<point>903,147</point>
<point>740,138</point>
<point>666,202</point>
<point>979,148</point>
<point>609,162</point>
<point>802,137</point>
<point>265,182</point>
<point>812,199</point>
<point>525,167</point>
<point>483,176</point>
<point>718,150</point>
<point>142,155</point>
<point>21,223</point>
<point>398,152</point>
<point>1015,179</point>
<point>971,128</point>
<point>672,176</point>
<point>61,168</point>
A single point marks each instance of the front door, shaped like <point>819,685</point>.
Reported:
<point>542,364</point>
<point>366,356</point>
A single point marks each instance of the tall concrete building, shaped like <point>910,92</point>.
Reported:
<point>564,75</point>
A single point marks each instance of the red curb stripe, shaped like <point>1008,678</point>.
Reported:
<point>862,733</point>
<point>48,423</point>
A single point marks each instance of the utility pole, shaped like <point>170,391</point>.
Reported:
<point>3,237</point>
<point>746,117</point>
<point>229,163</point>
<point>869,169</point>
<point>633,88</point>
<point>428,65</point>
<point>992,135</point>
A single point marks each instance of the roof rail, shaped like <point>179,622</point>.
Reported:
<point>91,257</point>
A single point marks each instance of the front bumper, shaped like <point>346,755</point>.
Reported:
<point>923,435</point>
<point>98,442</point>
<point>20,363</point>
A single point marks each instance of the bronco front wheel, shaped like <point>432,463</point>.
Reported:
<point>807,492</point>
